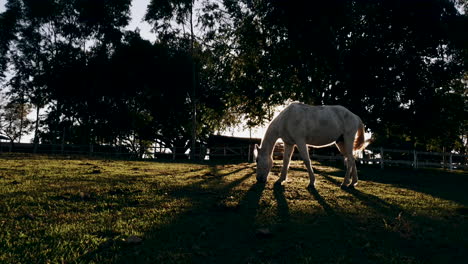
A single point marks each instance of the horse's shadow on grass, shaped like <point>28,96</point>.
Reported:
<point>282,204</point>
<point>326,207</point>
<point>370,200</point>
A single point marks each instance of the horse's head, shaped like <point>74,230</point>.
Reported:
<point>264,164</point>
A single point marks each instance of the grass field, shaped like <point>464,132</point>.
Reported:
<point>61,210</point>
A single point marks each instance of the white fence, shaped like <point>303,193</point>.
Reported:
<point>415,159</point>
<point>376,156</point>
<point>410,158</point>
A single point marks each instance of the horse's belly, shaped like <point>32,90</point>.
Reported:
<point>322,135</point>
<point>322,146</point>
<point>317,127</point>
<point>321,141</point>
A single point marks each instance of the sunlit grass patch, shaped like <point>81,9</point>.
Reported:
<point>56,209</point>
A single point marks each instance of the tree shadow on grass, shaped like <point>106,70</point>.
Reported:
<point>214,174</point>
<point>412,234</point>
<point>442,184</point>
<point>214,226</point>
<point>212,231</point>
<point>218,227</point>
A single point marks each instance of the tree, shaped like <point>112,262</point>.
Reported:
<point>170,19</point>
<point>50,46</point>
<point>153,80</point>
<point>14,122</point>
<point>216,63</point>
<point>161,13</point>
<point>382,59</point>
<point>8,24</point>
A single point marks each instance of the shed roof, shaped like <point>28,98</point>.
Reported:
<point>216,140</point>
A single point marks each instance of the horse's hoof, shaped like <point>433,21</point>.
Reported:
<point>344,187</point>
<point>260,180</point>
<point>311,186</point>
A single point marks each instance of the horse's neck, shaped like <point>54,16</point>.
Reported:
<point>269,140</point>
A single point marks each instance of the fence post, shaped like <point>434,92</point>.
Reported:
<point>451,164</point>
<point>173,153</point>
<point>381,158</point>
<point>443,158</point>
<point>415,159</point>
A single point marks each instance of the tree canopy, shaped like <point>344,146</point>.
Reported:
<point>400,65</point>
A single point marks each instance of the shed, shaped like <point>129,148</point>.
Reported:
<point>226,147</point>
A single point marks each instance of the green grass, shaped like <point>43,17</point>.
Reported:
<point>59,210</point>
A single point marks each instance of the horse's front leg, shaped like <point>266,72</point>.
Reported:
<point>288,150</point>
<point>304,151</point>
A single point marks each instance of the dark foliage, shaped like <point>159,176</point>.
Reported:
<point>400,65</point>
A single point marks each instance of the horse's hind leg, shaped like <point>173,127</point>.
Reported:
<point>346,148</point>
<point>288,150</point>
<point>352,170</point>
<point>304,151</point>
<point>354,173</point>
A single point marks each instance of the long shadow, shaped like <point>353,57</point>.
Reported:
<point>283,208</point>
<point>214,227</point>
<point>442,184</point>
<point>326,207</point>
<point>213,234</point>
<point>217,192</point>
<point>250,202</point>
<point>368,199</point>
<point>405,229</point>
<point>215,173</point>
<point>219,229</point>
<point>337,221</point>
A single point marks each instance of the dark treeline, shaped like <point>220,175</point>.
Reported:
<point>399,64</point>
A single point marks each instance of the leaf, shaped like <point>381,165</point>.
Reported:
<point>133,240</point>
<point>263,233</point>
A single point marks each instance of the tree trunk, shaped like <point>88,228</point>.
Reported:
<point>36,130</point>
<point>62,148</point>
<point>194,86</point>
<point>21,121</point>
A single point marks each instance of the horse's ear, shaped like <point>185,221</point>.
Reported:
<point>255,152</point>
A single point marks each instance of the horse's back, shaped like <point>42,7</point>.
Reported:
<point>317,125</point>
<point>303,111</point>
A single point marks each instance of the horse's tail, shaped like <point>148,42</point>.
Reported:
<point>359,142</point>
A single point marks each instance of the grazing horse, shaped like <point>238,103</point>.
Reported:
<point>319,126</point>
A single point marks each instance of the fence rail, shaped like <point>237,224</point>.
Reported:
<point>377,156</point>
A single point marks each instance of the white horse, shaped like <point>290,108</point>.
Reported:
<point>319,126</point>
